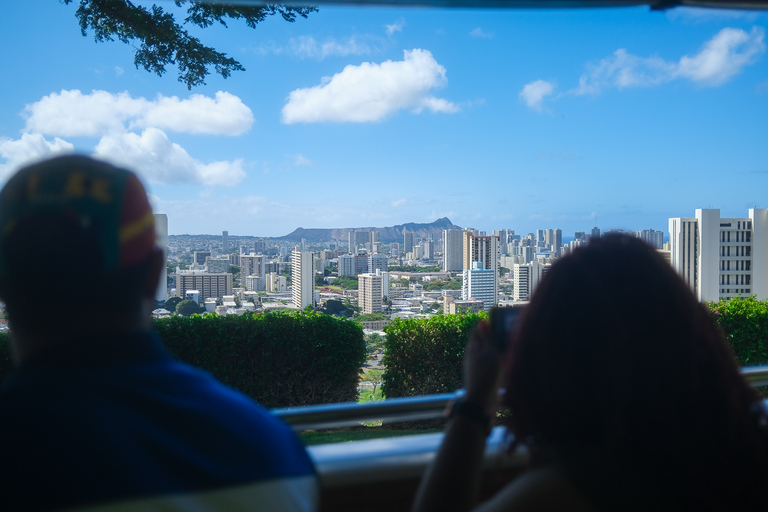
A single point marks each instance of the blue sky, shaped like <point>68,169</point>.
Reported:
<point>380,116</point>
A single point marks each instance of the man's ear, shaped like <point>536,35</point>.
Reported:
<point>154,271</point>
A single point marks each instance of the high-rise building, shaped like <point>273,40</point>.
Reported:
<point>161,233</point>
<point>428,249</point>
<point>260,247</point>
<point>209,285</point>
<point>654,238</point>
<point>276,283</point>
<point>557,241</point>
<point>595,232</point>
<point>377,262</point>
<point>218,265</point>
<point>452,250</point>
<point>302,278</point>
<point>199,258</point>
<point>253,265</point>
<point>369,292</point>
<point>225,242</point>
<point>346,265</point>
<point>527,277</point>
<point>255,284</point>
<point>394,249</point>
<point>384,282</point>
<point>408,241</point>
<point>484,249</point>
<point>721,258</point>
<point>480,284</point>
<point>362,239</point>
<point>361,263</point>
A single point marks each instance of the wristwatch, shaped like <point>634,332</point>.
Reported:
<point>463,407</point>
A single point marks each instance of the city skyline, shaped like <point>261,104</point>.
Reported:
<point>518,119</point>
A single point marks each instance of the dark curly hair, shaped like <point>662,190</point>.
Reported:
<point>615,353</point>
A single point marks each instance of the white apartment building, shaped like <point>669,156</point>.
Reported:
<point>209,285</point>
<point>369,292</point>
<point>255,284</point>
<point>484,250</point>
<point>218,265</point>
<point>276,283</point>
<point>302,278</point>
<point>721,258</point>
<point>527,277</point>
<point>452,250</point>
<point>384,282</point>
<point>161,239</point>
<point>652,237</point>
<point>253,265</point>
<point>346,265</point>
<point>480,284</point>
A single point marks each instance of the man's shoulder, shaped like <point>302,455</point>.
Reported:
<point>160,428</point>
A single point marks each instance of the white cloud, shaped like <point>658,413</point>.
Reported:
<point>114,117</point>
<point>533,94</point>
<point>28,148</point>
<point>481,34</point>
<point>225,114</point>
<point>300,160</point>
<point>723,56</point>
<point>703,14</point>
<point>119,71</point>
<point>159,160</point>
<point>371,91</point>
<point>308,47</point>
<point>398,202</point>
<point>395,27</point>
<point>73,114</point>
<point>720,58</point>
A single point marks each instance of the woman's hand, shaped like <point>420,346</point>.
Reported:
<point>482,367</point>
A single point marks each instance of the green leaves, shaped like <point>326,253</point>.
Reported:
<point>424,356</point>
<point>160,41</point>
<point>282,360</point>
<point>745,323</point>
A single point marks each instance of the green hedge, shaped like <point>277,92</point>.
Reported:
<point>424,356</point>
<point>279,360</point>
<point>745,323</point>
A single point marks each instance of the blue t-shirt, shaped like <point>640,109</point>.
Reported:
<point>114,422</point>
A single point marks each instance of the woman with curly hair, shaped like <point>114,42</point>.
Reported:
<point>623,389</point>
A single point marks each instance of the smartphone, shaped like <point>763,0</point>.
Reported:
<point>503,320</point>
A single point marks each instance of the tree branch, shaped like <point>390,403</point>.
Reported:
<point>160,41</point>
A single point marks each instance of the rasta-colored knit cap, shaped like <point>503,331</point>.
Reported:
<point>108,202</point>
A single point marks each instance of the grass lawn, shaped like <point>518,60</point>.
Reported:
<point>367,430</point>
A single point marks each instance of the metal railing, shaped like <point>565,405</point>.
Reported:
<point>342,466</point>
<point>311,417</point>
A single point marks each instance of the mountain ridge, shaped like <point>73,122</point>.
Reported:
<point>387,235</point>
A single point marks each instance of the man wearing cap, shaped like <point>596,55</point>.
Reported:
<point>97,414</point>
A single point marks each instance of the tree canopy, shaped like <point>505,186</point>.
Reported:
<point>160,40</point>
<point>188,308</point>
